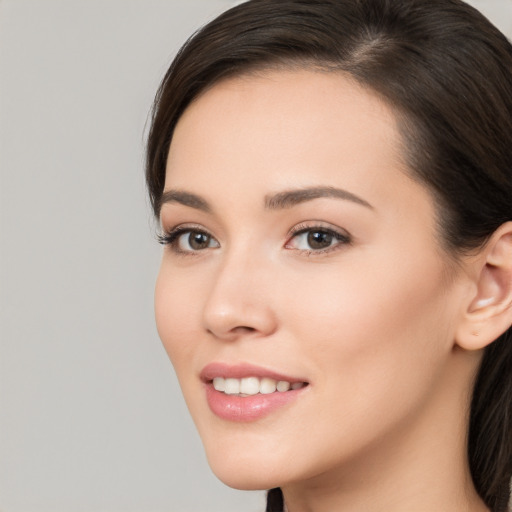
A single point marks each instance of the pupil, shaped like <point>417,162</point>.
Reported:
<point>198,240</point>
<point>319,239</point>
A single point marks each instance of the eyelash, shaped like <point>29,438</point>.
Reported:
<point>171,238</point>
<point>341,237</point>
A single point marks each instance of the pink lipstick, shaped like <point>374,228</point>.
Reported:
<point>244,392</point>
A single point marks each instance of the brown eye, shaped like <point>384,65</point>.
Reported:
<point>197,241</point>
<point>319,239</point>
<point>189,240</point>
<point>186,240</point>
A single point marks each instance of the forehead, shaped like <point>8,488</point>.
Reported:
<point>282,128</point>
<point>284,114</point>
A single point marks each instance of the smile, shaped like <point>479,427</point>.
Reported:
<point>245,393</point>
<point>250,386</point>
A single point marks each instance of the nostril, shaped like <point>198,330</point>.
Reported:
<point>245,328</point>
<point>242,330</point>
<point>234,332</point>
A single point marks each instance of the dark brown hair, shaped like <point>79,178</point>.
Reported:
<point>447,73</point>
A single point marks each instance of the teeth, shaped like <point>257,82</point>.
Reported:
<point>218,384</point>
<point>267,386</point>
<point>282,385</point>
<point>232,386</point>
<point>249,386</point>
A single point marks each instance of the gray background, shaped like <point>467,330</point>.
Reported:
<point>91,417</point>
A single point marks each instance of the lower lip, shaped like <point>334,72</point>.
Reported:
<point>248,408</point>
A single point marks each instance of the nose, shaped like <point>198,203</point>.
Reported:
<point>239,302</point>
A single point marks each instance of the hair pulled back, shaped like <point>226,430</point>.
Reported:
<point>447,73</point>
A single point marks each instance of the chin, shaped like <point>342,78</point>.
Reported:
<point>245,483</point>
<point>245,479</point>
<point>247,471</point>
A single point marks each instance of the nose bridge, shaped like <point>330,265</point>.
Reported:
<point>239,298</point>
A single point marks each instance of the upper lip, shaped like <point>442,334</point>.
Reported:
<point>241,370</point>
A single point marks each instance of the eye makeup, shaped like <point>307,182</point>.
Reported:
<point>312,239</point>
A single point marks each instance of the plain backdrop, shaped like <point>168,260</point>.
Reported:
<point>91,416</point>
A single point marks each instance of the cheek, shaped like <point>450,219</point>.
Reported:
<point>376,344</point>
<point>380,328</point>
<point>174,316</point>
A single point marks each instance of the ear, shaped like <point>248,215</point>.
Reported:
<point>489,311</point>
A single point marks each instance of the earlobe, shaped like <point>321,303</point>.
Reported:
<point>489,313</point>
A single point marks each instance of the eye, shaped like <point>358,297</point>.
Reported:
<point>316,239</point>
<point>188,240</point>
<point>195,241</point>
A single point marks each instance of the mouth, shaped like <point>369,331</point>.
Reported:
<point>245,393</point>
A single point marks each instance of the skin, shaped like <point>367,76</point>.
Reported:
<point>370,323</point>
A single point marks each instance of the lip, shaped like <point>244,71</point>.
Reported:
<point>251,408</point>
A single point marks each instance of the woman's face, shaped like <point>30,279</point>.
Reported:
<point>300,251</point>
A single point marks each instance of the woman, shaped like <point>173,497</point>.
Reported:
<point>333,179</point>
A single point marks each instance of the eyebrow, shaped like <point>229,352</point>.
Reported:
<point>290,198</point>
<point>278,201</point>
<point>184,198</point>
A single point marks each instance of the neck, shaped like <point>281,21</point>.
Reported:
<point>422,465</point>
